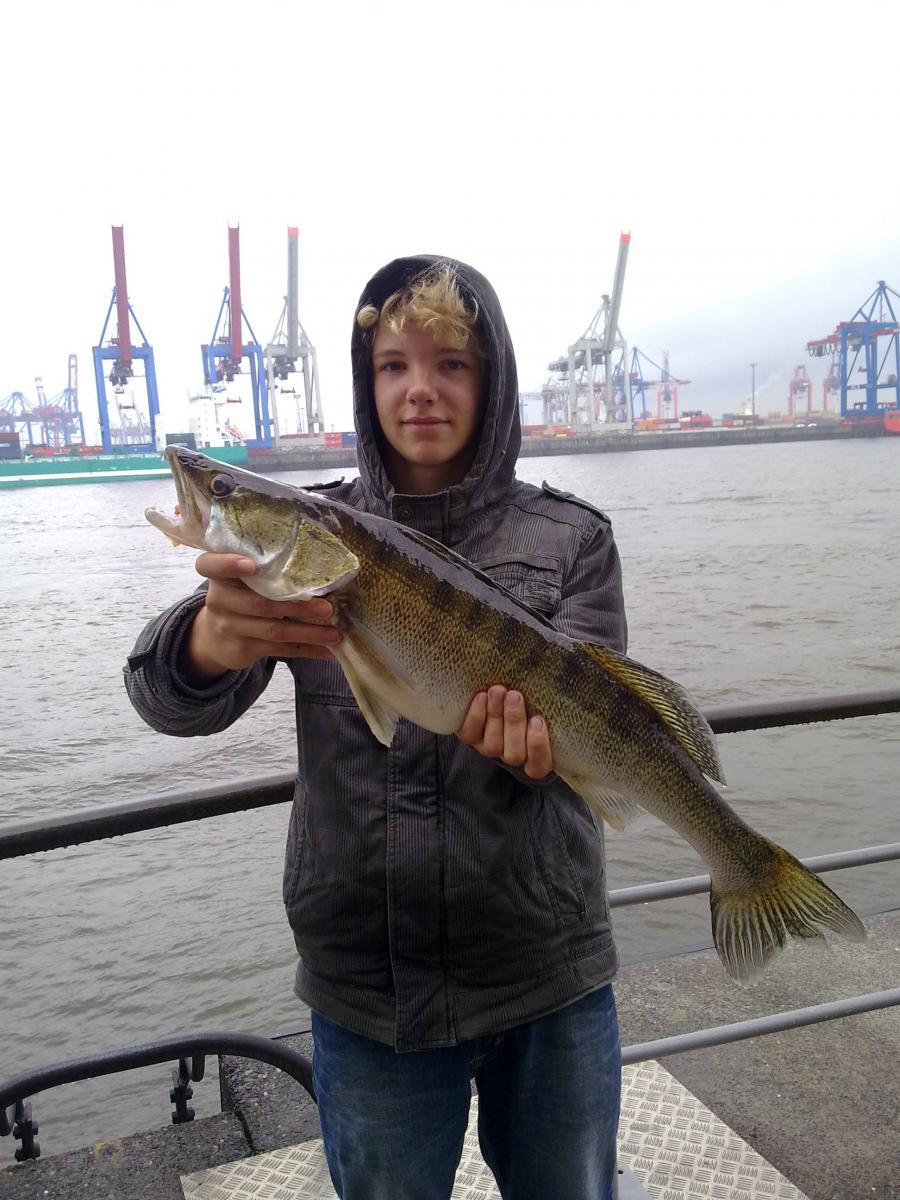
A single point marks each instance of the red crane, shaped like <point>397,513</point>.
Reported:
<point>800,393</point>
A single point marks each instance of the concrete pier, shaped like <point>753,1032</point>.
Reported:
<point>821,1104</point>
<point>611,440</point>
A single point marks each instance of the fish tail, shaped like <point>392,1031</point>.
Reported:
<point>750,927</point>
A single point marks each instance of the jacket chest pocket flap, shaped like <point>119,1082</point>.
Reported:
<point>532,578</point>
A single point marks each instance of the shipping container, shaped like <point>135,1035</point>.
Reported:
<point>10,446</point>
<point>181,439</point>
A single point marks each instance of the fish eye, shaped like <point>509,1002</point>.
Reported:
<point>221,485</point>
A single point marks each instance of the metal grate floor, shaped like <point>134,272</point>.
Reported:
<point>675,1147</point>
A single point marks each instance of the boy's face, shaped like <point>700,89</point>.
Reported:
<point>428,401</point>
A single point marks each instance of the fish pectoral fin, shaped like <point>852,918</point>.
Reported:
<point>669,701</point>
<point>380,716</point>
<point>377,680</point>
<point>615,809</point>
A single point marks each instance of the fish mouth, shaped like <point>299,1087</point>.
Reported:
<point>187,525</point>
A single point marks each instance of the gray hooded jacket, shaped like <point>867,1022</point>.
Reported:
<point>434,894</point>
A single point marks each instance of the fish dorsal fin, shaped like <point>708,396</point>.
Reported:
<point>669,701</point>
<point>450,556</point>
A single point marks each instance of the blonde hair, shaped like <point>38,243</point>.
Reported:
<point>433,300</point>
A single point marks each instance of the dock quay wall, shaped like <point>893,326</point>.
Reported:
<point>599,442</point>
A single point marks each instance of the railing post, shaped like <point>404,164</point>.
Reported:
<point>24,1130</point>
<point>180,1094</point>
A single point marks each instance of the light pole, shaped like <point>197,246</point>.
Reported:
<point>753,391</point>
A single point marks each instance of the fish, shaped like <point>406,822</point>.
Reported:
<point>424,631</point>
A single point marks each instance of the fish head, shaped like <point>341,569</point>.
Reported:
<point>284,531</point>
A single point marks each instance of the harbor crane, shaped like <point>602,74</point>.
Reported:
<point>831,386</point>
<point>858,339</point>
<point>666,386</point>
<point>138,433</point>
<point>225,352</point>
<point>58,422</point>
<point>589,405</point>
<point>289,343</point>
<point>61,423</point>
<point>800,393</point>
<point>15,410</point>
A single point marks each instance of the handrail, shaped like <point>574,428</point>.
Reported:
<point>739,718</point>
<point>193,1045</point>
<point>693,885</point>
<point>15,1114</point>
<point>722,1035</point>
<point>196,1046</point>
<point>153,812</point>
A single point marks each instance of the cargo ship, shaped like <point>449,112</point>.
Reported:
<point>98,468</point>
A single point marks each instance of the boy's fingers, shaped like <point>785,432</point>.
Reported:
<point>472,729</point>
<point>539,756</point>
<point>514,725</point>
<point>224,566</point>
<point>493,741</point>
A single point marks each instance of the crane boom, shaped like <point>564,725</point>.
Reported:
<point>234,282</point>
<point>293,304</point>
<point>615,301</point>
<point>123,325</point>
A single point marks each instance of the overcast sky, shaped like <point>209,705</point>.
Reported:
<point>750,149</point>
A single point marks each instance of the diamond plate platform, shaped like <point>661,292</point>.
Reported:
<point>674,1146</point>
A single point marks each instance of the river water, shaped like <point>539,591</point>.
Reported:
<point>752,573</point>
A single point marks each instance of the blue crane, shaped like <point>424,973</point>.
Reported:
<point>666,385</point>
<point>136,433</point>
<point>225,351</point>
<point>15,410</point>
<point>858,339</point>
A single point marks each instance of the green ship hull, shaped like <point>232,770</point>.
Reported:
<point>100,468</point>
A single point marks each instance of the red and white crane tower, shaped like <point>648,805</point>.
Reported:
<point>289,343</point>
<point>800,393</point>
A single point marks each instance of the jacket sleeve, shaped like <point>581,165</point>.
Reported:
<point>592,605</point>
<point>162,695</point>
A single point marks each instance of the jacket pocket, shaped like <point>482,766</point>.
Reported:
<point>553,852</point>
<point>532,578</point>
<point>296,844</point>
<point>321,681</point>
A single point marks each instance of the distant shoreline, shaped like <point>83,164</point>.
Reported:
<point>611,441</point>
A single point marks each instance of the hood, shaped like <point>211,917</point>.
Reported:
<point>493,467</point>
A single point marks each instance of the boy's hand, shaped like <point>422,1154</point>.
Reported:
<point>237,627</point>
<point>497,726</point>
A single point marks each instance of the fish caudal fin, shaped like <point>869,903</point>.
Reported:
<point>749,928</point>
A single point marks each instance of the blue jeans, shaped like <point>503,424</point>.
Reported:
<point>548,1108</point>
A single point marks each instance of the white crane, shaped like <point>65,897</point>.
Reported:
<point>597,347</point>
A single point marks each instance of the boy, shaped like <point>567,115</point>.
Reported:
<point>447,895</point>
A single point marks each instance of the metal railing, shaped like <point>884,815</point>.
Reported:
<point>42,834</point>
<point>15,1113</point>
<point>155,812</point>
